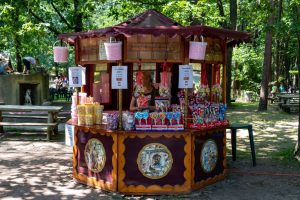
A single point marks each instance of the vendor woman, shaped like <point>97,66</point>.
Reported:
<point>143,98</point>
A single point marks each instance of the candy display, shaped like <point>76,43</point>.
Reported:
<point>98,113</point>
<point>81,119</point>
<point>209,115</point>
<point>80,109</point>
<point>203,92</point>
<point>137,91</point>
<point>164,91</point>
<point>82,98</point>
<point>89,120</point>
<point>112,121</point>
<point>89,100</point>
<point>90,114</point>
<point>74,108</point>
<point>89,109</point>
<point>143,121</point>
<point>98,109</point>
<point>162,104</point>
<point>204,108</point>
<point>165,84</point>
<point>216,92</point>
<point>159,121</point>
<point>128,121</point>
<point>176,108</point>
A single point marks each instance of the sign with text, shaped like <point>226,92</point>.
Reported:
<point>185,76</point>
<point>76,76</point>
<point>119,77</point>
<point>102,52</point>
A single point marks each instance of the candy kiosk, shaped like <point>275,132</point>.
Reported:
<point>178,147</point>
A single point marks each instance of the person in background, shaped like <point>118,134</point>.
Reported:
<point>5,68</point>
<point>273,90</point>
<point>28,61</point>
<point>281,88</point>
<point>148,91</point>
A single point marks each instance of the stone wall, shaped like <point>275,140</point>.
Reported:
<point>11,87</point>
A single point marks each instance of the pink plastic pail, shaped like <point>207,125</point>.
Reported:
<point>60,54</point>
<point>197,50</point>
<point>113,50</point>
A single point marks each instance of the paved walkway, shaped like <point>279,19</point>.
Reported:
<point>43,170</point>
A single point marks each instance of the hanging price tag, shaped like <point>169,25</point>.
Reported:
<point>185,76</point>
<point>119,77</point>
<point>76,76</point>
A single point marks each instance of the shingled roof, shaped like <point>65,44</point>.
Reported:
<point>155,23</point>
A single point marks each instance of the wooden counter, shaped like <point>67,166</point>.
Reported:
<point>136,162</point>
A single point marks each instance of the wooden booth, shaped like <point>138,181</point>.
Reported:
<point>154,161</point>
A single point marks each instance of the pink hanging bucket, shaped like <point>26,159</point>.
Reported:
<point>113,50</point>
<point>60,53</point>
<point>197,50</point>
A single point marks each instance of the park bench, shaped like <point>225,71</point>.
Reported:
<point>10,112</point>
<point>292,106</point>
<point>273,99</point>
<point>289,102</point>
<point>17,116</point>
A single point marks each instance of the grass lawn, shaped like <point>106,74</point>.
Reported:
<point>275,132</point>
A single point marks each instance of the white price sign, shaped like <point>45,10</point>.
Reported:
<point>185,76</point>
<point>76,76</point>
<point>119,77</point>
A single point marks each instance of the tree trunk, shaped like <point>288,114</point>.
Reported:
<point>263,100</point>
<point>78,16</point>
<point>233,22</point>
<point>287,62</point>
<point>17,38</point>
<point>297,147</point>
<point>228,75</point>
<point>278,52</point>
<point>17,41</point>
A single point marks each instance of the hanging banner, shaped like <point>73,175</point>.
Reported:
<point>76,76</point>
<point>185,76</point>
<point>119,77</point>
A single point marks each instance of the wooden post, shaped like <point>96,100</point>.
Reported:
<point>224,83</point>
<point>224,71</point>
<point>185,107</point>
<point>77,96</point>
<point>1,119</point>
<point>213,81</point>
<point>50,128</point>
<point>120,99</point>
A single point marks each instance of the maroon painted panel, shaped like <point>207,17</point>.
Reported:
<point>132,174</point>
<point>107,141</point>
<point>217,137</point>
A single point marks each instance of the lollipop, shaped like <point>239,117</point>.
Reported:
<point>145,117</point>
<point>153,117</point>
<point>177,115</point>
<point>139,116</point>
<point>170,117</point>
<point>162,117</point>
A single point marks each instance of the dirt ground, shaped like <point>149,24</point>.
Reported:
<point>43,170</point>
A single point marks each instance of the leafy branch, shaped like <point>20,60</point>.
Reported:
<point>51,28</point>
<point>61,16</point>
